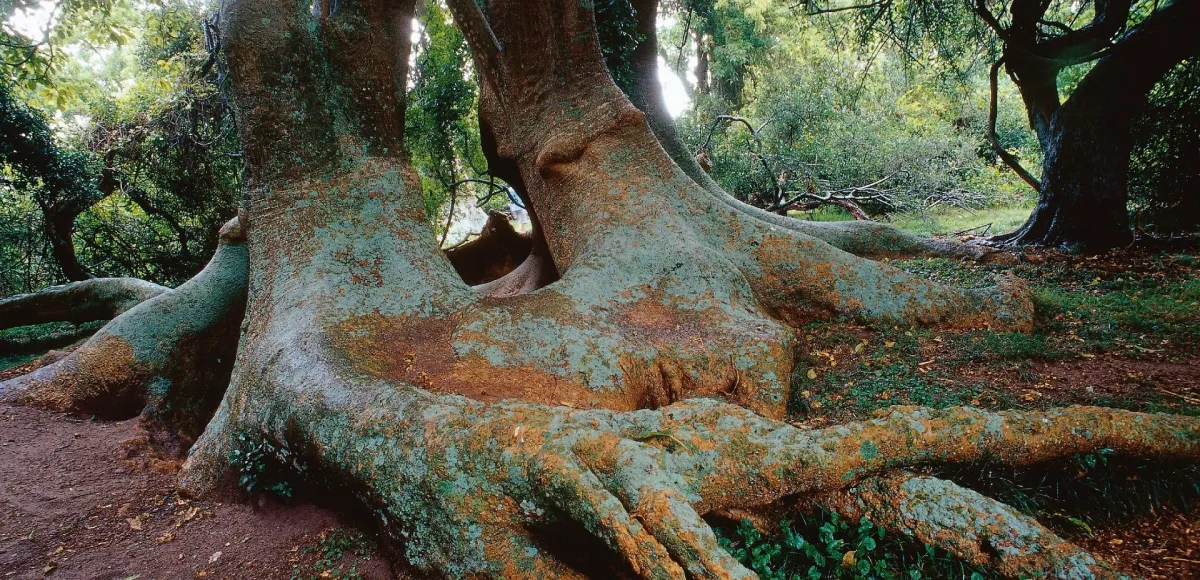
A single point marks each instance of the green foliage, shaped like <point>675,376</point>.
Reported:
<point>835,117</point>
<point>616,26</point>
<point>151,159</point>
<point>25,344</point>
<point>259,464</point>
<point>823,545</point>
<point>1165,165</point>
<point>442,126</point>
<point>34,60</point>
<point>34,158</point>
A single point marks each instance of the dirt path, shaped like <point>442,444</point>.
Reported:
<point>78,500</point>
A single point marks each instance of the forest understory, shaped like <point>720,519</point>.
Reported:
<point>86,498</point>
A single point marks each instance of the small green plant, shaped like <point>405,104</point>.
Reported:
<point>258,463</point>
<point>333,547</point>
<point>824,545</point>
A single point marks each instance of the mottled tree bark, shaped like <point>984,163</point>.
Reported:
<point>631,396</point>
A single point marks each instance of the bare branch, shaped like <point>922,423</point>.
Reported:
<point>1008,158</point>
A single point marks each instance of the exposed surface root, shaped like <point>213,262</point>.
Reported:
<point>78,302</point>
<point>967,524</point>
<point>874,240</point>
<point>463,483</point>
<point>169,356</point>
<point>498,250</point>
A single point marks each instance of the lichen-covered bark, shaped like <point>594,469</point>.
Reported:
<point>631,396</point>
<point>168,357</point>
<point>973,527</point>
<point>77,302</point>
<point>467,487</point>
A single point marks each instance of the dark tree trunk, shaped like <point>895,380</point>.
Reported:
<point>1087,140</point>
<point>1084,180</point>
<point>59,230</point>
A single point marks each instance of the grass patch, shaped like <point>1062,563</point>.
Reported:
<point>21,345</point>
<point>940,222</point>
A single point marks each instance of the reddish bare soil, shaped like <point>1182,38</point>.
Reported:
<point>82,499</point>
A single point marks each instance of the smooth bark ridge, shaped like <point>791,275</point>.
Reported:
<point>1087,140</point>
<point>168,357</point>
<point>77,302</point>
<point>629,394</point>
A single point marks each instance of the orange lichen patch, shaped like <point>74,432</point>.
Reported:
<point>102,377</point>
<point>651,313</point>
<point>802,314</point>
<point>600,452</point>
<point>416,351</point>
<point>475,377</point>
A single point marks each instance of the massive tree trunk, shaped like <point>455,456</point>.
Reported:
<point>626,399</point>
<point>1087,140</point>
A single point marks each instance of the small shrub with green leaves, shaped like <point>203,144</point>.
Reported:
<point>823,545</point>
<point>330,552</point>
<point>258,463</point>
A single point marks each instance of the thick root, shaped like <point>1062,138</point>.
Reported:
<point>969,525</point>
<point>869,239</point>
<point>468,485</point>
<point>169,356</point>
<point>498,250</point>
<point>802,279</point>
<point>78,302</point>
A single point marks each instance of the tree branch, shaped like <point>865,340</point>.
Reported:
<point>1008,158</point>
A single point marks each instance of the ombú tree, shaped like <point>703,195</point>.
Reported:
<point>1087,140</point>
<point>624,381</point>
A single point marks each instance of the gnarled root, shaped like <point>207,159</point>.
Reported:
<point>467,486</point>
<point>870,239</point>
<point>78,302</point>
<point>169,356</point>
<point>973,527</point>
